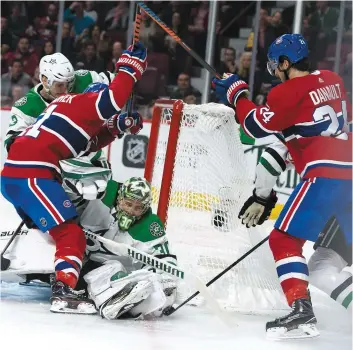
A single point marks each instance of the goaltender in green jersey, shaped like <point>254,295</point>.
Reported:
<point>118,285</point>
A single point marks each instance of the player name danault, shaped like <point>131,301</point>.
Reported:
<point>326,93</point>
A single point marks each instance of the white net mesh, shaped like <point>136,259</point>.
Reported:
<point>211,181</point>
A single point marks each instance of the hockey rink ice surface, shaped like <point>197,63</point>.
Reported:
<point>26,322</point>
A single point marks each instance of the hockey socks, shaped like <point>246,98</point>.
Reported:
<point>343,293</point>
<point>291,265</point>
<point>70,246</point>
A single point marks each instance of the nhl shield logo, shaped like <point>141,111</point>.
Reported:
<point>134,152</point>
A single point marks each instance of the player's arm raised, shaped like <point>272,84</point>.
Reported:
<point>257,121</point>
<point>131,65</point>
<point>109,100</point>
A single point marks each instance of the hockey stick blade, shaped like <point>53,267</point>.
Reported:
<point>5,263</point>
<point>122,249</point>
<point>171,310</point>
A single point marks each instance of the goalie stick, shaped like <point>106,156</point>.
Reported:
<point>171,309</point>
<point>123,249</point>
<point>5,263</point>
<point>198,58</point>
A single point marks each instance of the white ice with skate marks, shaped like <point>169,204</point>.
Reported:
<point>27,322</point>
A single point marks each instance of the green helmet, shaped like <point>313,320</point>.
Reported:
<point>138,189</point>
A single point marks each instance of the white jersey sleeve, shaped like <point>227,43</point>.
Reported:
<point>274,160</point>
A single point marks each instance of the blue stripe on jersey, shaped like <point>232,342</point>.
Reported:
<point>105,105</point>
<point>72,135</point>
<point>32,164</point>
<point>317,128</point>
<point>327,164</point>
<point>253,128</point>
<point>292,267</point>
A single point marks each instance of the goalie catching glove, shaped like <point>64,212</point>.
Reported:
<point>256,210</point>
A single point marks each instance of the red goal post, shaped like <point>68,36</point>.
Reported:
<point>200,179</point>
<point>177,107</point>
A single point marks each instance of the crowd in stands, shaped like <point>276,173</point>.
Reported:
<point>94,34</point>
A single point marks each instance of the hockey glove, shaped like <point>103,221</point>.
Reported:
<point>133,61</point>
<point>230,88</point>
<point>256,209</point>
<point>124,124</point>
<point>88,189</point>
<point>11,140</point>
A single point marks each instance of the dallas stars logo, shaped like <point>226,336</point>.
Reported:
<point>156,229</point>
<point>52,61</point>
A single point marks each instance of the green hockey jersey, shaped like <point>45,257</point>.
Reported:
<point>146,234</point>
<point>26,110</point>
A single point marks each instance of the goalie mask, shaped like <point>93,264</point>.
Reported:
<point>59,72</point>
<point>134,200</point>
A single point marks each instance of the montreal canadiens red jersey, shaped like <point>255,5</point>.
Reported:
<point>312,114</point>
<point>66,129</point>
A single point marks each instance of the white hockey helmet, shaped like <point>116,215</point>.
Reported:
<point>57,67</point>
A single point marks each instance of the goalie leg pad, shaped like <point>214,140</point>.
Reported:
<point>112,288</point>
<point>162,297</point>
<point>126,299</point>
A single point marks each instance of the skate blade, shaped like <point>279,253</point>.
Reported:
<point>61,306</point>
<point>303,331</point>
<point>35,284</point>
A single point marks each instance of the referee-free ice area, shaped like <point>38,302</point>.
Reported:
<point>26,322</point>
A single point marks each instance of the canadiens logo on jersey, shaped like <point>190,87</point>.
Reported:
<point>67,204</point>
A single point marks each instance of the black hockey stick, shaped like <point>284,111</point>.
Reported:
<point>5,263</point>
<point>169,311</point>
<point>198,58</point>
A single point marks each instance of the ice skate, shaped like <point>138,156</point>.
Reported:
<point>66,300</point>
<point>300,323</point>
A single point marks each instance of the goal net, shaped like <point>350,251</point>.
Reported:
<point>200,179</point>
